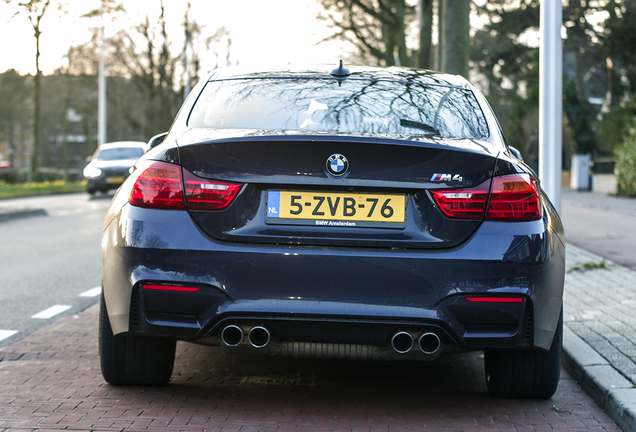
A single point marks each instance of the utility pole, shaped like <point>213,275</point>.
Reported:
<point>101,86</point>
<point>551,100</point>
<point>186,59</point>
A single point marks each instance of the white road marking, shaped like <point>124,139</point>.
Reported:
<point>51,312</point>
<point>7,333</point>
<point>68,212</point>
<point>93,292</point>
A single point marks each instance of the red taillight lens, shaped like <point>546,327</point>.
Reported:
<point>158,186</point>
<point>514,198</point>
<point>203,194</point>
<point>172,288</point>
<point>463,203</point>
<point>495,299</point>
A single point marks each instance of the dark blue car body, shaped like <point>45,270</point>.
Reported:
<point>242,280</point>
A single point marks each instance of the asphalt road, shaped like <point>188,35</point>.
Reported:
<point>51,265</point>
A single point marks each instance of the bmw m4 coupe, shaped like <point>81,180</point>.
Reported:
<point>350,213</point>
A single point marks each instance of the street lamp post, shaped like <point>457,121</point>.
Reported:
<point>101,86</point>
<point>551,100</point>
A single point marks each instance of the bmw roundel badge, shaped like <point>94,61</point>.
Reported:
<point>337,165</point>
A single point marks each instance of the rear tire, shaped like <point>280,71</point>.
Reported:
<point>525,374</point>
<point>133,360</point>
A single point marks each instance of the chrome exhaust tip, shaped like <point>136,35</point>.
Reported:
<point>402,342</point>
<point>429,343</point>
<point>232,335</point>
<point>258,336</point>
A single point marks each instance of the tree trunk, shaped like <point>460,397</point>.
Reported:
<point>456,36</point>
<point>426,36</point>
<point>389,44</point>
<point>400,32</point>
<point>441,24</point>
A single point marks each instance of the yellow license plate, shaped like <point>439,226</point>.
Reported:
<point>114,180</point>
<point>336,208</point>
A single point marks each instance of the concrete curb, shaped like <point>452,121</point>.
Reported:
<point>609,389</point>
<point>18,214</point>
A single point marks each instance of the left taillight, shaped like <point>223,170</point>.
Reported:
<point>160,185</point>
<point>203,194</point>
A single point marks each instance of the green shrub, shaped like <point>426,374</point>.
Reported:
<point>626,163</point>
<point>8,176</point>
<point>614,126</point>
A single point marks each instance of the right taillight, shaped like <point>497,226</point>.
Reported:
<point>463,203</point>
<point>514,197</point>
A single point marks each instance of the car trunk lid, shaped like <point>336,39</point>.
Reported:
<point>391,175</point>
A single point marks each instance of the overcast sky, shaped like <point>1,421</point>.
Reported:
<point>262,31</point>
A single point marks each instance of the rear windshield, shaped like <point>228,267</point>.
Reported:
<point>120,153</point>
<point>326,105</point>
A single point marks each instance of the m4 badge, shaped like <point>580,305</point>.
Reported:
<point>446,177</point>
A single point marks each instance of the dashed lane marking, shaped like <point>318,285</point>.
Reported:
<point>93,292</point>
<point>7,333</point>
<point>51,312</point>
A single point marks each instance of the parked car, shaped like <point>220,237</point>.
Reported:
<point>110,165</point>
<point>360,213</point>
<point>5,165</point>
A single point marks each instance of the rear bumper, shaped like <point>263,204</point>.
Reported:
<point>327,295</point>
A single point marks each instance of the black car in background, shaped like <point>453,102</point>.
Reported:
<point>110,165</point>
<point>360,213</point>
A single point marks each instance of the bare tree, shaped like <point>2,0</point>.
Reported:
<point>148,72</point>
<point>147,68</point>
<point>34,11</point>
<point>424,55</point>
<point>454,44</point>
<point>377,28</point>
<point>154,69</point>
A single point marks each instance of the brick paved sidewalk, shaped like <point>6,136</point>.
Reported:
<point>600,334</point>
<point>51,381</point>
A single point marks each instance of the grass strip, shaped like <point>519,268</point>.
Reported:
<point>14,190</point>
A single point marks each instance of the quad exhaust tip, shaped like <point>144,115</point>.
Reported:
<point>402,342</point>
<point>259,337</point>
<point>429,343</point>
<point>232,335</point>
